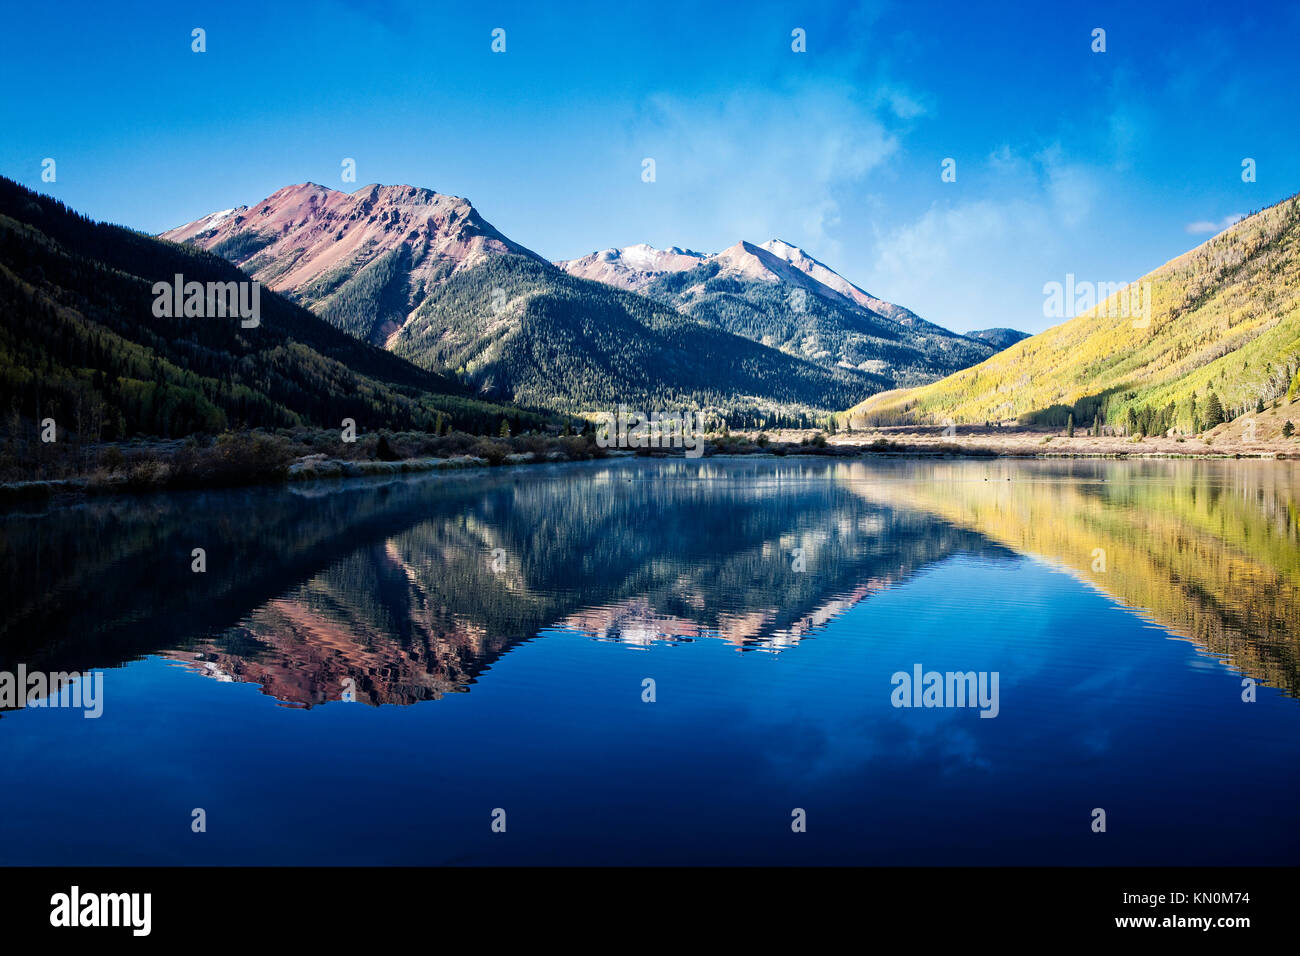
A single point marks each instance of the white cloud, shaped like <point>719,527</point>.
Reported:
<point>956,263</point>
<point>1204,226</point>
<point>902,103</point>
<point>762,165</point>
<point>975,263</point>
<point>1072,188</point>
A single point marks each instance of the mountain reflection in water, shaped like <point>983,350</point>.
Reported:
<point>404,591</point>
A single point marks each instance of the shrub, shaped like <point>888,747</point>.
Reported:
<point>539,445</point>
<point>578,448</point>
<point>384,451</point>
<point>148,473</point>
<point>113,459</point>
<point>234,459</point>
<point>493,452</point>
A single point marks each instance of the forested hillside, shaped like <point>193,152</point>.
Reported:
<point>1223,339</point>
<point>827,329</point>
<point>517,328</point>
<point>80,343</point>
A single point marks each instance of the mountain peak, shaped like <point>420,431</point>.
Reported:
<point>780,245</point>
<point>636,266</point>
<point>830,279</point>
<point>302,233</point>
<point>631,267</point>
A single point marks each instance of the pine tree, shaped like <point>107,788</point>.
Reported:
<point>1213,411</point>
<point>1069,427</point>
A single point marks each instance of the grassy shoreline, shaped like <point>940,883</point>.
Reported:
<point>263,458</point>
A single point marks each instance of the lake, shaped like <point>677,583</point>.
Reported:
<point>666,662</point>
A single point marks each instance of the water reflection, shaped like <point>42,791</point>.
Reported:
<point>404,591</point>
<point>1208,550</point>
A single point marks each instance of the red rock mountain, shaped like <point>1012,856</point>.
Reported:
<point>318,245</point>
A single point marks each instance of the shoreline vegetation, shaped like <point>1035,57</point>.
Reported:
<point>264,457</point>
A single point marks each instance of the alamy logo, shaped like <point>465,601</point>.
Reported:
<point>58,689</point>
<point>951,689</point>
<point>74,909</point>
<point>209,300</point>
<point>656,430</point>
<point>1121,300</point>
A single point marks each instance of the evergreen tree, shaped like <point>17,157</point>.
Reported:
<point>1213,411</point>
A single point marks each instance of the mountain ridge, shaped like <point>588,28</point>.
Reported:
<point>77,296</point>
<point>749,290</point>
<point>636,266</point>
<point>1223,321</point>
<point>388,264</point>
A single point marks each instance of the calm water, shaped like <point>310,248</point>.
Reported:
<point>496,630</point>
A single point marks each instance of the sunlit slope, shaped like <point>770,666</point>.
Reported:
<point>1224,318</point>
<point>1207,552</point>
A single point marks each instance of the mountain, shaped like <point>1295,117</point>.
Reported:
<point>82,343</point>
<point>525,330</point>
<point>424,275</point>
<point>633,267</point>
<point>778,295</point>
<point>830,279</point>
<point>358,260</point>
<point>1223,323</point>
<point>998,338</point>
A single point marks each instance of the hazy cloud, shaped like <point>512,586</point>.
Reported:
<point>1204,226</point>
<point>972,263</point>
<point>759,165</point>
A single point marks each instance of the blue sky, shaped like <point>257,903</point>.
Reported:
<point>1104,165</point>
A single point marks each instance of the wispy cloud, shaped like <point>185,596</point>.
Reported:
<point>763,164</point>
<point>1205,226</point>
<point>950,264</point>
<point>974,262</point>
